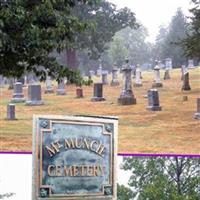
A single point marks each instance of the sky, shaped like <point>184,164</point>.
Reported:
<point>16,175</point>
<point>153,13</point>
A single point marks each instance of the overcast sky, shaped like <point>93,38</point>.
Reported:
<point>153,13</point>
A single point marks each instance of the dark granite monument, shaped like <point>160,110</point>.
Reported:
<point>11,112</point>
<point>34,95</point>
<point>167,75</point>
<point>197,114</point>
<point>186,84</point>
<point>74,158</point>
<point>18,95</point>
<point>153,100</point>
<point>79,92</point>
<point>126,96</point>
<point>98,92</point>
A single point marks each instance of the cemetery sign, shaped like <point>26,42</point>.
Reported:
<point>74,157</point>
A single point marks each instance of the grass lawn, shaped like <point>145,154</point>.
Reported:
<point>172,130</point>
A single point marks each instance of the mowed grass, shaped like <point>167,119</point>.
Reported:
<point>170,131</point>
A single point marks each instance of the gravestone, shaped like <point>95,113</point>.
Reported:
<point>184,70</point>
<point>157,82</point>
<point>61,88</point>
<point>99,70</point>
<point>98,92</point>
<point>197,114</point>
<point>191,63</point>
<point>133,68</point>
<point>126,96</point>
<point>31,78</point>
<point>138,80</point>
<point>49,86</point>
<point>167,75</point>
<point>168,63</point>
<point>11,112</point>
<point>153,100</point>
<point>114,81</point>
<point>105,78</point>
<point>168,67</point>
<point>34,95</point>
<point>11,83</point>
<point>21,80</point>
<point>2,81</point>
<point>74,158</point>
<point>186,84</point>
<point>18,95</point>
<point>79,92</point>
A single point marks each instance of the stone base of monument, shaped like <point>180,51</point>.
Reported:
<point>114,83</point>
<point>79,93</point>
<point>60,92</point>
<point>18,100</point>
<point>98,99</point>
<point>137,85</point>
<point>186,87</point>
<point>197,116</point>
<point>34,103</point>
<point>154,108</point>
<point>126,100</point>
<point>157,85</point>
<point>49,91</point>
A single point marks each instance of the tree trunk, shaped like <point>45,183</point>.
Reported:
<point>71,59</point>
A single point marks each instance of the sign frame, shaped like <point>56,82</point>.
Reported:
<point>42,124</point>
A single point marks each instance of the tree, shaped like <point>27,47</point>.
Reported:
<point>173,178</point>
<point>7,195</point>
<point>168,40</point>
<point>106,20</point>
<point>192,43</point>
<point>118,51</point>
<point>124,193</point>
<point>31,30</point>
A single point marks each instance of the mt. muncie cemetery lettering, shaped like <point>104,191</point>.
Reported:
<point>74,158</point>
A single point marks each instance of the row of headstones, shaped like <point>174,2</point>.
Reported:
<point>126,98</point>
<point>157,80</point>
<point>34,93</point>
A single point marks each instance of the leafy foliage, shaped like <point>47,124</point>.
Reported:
<point>106,20</point>
<point>168,40</point>
<point>124,193</point>
<point>172,178</point>
<point>31,30</point>
<point>192,43</point>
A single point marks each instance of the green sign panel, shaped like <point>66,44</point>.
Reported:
<point>74,157</point>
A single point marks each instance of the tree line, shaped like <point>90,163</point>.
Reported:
<point>90,33</point>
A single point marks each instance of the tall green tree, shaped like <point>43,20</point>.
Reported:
<point>172,178</point>
<point>106,20</point>
<point>192,43</point>
<point>118,51</point>
<point>31,30</point>
<point>168,40</point>
<point>124,193</point>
